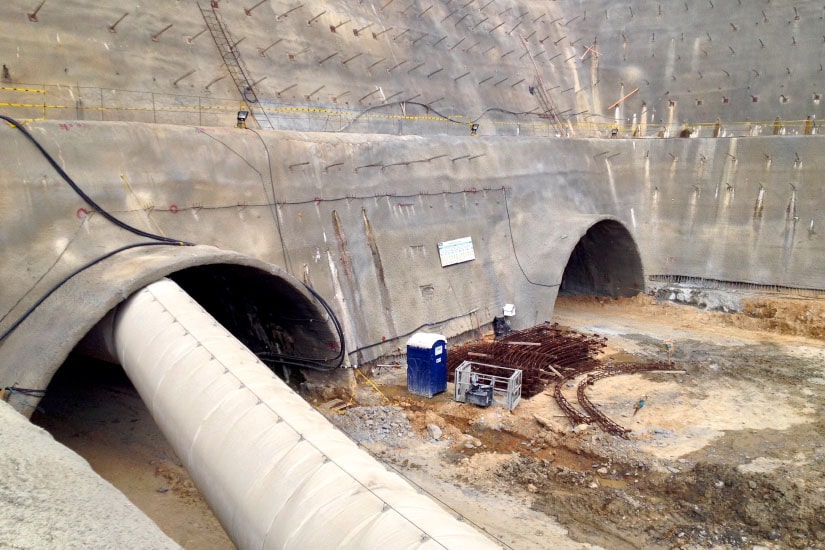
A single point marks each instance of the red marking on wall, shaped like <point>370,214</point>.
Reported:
<point>173,208</point>
<point>81,213</point>
<point>67,125</point>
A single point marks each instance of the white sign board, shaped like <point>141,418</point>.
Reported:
<point>456,251</point>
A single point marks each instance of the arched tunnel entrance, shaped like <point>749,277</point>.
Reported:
<point>250,443</point>
<point>605,262</point>
<point>286,325</point>
<point>92,407</point>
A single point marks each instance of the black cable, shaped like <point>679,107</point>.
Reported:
<point>25,391</point>
<point>77,271</point>
<point>437,113</point>
<point>376,107</point>
<point>159,240</point>
<point>328,199</point>
<point>273,208</point>
<point>413,331</point>
<point>248,89</point>
<point>362,197</point>
<point>513,243</point>
<point>338,329</point>
<point>500,110</point>
<point>271,358</point>
<point>87,199</point>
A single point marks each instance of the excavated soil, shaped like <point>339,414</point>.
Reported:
<point>726,453</point>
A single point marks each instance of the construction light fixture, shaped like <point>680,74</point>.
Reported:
<point>242,116</point>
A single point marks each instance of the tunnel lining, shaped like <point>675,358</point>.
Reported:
<point>102,287</point>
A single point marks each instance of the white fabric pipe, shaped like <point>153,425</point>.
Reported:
<point>276,473</point>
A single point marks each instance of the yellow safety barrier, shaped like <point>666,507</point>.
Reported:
<point>28,90</point>
<point>348,116</point>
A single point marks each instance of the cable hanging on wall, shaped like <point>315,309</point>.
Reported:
<point>156,240</point>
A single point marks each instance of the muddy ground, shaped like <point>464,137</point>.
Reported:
<point>728,453</point>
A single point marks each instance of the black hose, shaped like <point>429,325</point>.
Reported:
<point>158,240</point>
<point>338,329</point>
<point>25,391</point>
<point>271,358</point>
<point>87,199</point>
<point>383,105</point>
<point>513,243</point>
<point>66,279</point>
<point>413,331</point>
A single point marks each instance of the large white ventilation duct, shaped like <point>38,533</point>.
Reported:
<point>276,473</point>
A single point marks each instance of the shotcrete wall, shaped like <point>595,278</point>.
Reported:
<point>315,65</point>
<point>359,218</point>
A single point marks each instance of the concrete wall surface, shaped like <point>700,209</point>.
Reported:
<point>52,498</point>
<point>137,102</point>
<point>315,66</point>
<point>359,218</point>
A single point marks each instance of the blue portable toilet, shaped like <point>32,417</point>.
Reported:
<point>426,364</point>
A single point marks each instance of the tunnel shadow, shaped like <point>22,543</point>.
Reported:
<point>605,262</point>
<point>275,321</point>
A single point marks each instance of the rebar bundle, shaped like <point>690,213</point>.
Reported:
<point>545,354</point>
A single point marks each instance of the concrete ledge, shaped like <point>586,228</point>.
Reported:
<point>53,499</point>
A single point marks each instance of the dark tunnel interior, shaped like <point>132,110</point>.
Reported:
<point>278,323</point>
<point>605,262</point>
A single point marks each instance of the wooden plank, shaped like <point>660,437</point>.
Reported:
<point>523,343</point>
<point>557,373</point>
<point>622,99</point>
<point>475,354</point>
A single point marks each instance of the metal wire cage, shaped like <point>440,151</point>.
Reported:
<point>506,382</point>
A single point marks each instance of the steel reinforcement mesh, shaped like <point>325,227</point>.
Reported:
<point>548,354</point>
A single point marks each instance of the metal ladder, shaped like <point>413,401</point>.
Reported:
<point>232,59</point>
<point>543,96</point>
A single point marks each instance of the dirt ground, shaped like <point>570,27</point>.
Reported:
<point>93,409</point>
<point>729,453</point>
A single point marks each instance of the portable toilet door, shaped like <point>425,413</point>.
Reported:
<point>426,364</point>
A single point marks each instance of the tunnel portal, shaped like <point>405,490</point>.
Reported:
<point>605,262</point>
